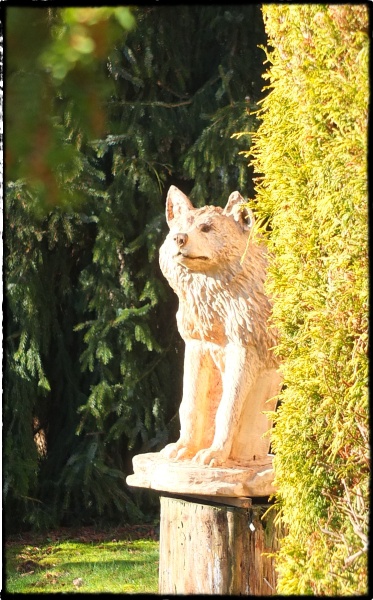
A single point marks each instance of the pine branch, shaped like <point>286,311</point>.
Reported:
<point>150,103</point>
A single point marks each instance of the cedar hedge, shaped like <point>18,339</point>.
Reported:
<point>310,159</point>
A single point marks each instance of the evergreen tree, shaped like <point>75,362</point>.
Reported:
<point>94,357</point>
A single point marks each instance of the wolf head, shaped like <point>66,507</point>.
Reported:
<point>205,239</point>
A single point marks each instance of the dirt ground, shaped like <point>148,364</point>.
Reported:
<point>85,534</point>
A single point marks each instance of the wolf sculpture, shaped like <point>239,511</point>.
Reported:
<point>230,371</point>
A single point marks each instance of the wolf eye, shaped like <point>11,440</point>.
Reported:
<point>206,227</point>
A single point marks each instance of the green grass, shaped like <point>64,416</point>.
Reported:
<point>89,567</point>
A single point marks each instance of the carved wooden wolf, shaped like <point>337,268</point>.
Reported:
<point>230,371</point>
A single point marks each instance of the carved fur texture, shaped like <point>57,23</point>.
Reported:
<point>230,371</point>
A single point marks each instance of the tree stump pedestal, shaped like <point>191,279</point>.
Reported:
<point>210,547</point>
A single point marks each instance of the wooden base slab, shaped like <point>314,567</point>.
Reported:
<point>251,479</point>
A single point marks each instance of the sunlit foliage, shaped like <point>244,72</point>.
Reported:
<point>55,88</point>
<point>310,156</point>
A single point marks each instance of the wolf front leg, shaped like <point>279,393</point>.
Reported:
<point>241,369</point>
<point>198,384</point>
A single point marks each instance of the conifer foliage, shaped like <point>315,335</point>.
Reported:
<point>311,147</point>
<point>94,359</point>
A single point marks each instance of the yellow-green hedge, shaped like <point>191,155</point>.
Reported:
<point>310,157</point>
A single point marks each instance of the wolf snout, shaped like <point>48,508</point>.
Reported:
<point>181,239</point>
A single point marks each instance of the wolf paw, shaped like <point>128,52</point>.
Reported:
<point>210,457</point>
<point>177,450</point>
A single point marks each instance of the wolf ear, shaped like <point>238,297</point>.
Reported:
<point>176,204</point>
<point>240,213</point>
